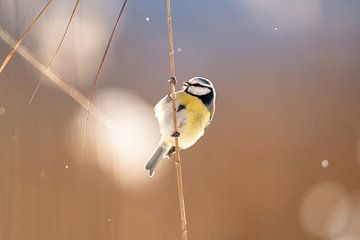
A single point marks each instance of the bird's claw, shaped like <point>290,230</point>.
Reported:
<point>169,98</point>
<point>172,80</point>
<point>175,134</point>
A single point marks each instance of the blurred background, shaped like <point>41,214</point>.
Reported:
<point>281,159</point>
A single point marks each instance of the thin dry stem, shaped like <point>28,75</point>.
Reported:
<point>28,30</point>
<point>177,156</point>
<point>57,49</point>
<point>65,32</point>
<point>36,90</point>
<point>92,91</point>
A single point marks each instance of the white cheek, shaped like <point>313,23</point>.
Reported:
<point>199,90</point>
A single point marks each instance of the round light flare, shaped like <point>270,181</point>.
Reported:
<point>345,238</point>
<point>123,144</point>
<point>352,230</point>
<point>131,131</point>
<point>325,209</point>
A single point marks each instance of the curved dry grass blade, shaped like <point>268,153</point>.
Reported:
<point>36,90</point>
<point>57,80</point>
<point>66,30</point>
<point>92,91</point>
<point>57,49</point>
<point>28,30</point>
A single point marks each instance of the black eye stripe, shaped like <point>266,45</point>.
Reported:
<point>206,99</point>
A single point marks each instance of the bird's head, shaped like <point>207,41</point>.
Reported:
<point>200,87</point>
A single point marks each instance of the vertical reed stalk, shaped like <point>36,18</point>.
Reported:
<point>177,156</point>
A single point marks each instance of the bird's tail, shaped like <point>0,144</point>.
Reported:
<point>155,157</point>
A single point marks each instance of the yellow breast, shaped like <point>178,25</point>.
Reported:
<point>197,118</point>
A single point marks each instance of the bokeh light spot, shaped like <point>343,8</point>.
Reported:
<point>325,209</point>
<point>352,229</point>
<point>125,142</point>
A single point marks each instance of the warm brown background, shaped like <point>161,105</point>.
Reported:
<point>288,98</point>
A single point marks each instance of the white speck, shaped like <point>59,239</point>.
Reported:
<point>109,219</point>
<point>42,174</point>
<point>179,49</point>
<point>276,29</point>
<point>14,139</point>
<point>2,111</point>
<point>66,166</point>
<point>147,19</point>
<point>325,163</point>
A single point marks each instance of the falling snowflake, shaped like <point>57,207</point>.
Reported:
<point>147,19</point>
<point>325,163</point>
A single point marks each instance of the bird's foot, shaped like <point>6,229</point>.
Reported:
<point>170,152</point>
<point>169,98</point>
<point>172,80</point>
<point>175,134</point>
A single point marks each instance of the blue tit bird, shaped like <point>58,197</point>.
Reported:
<point>195,106</point>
